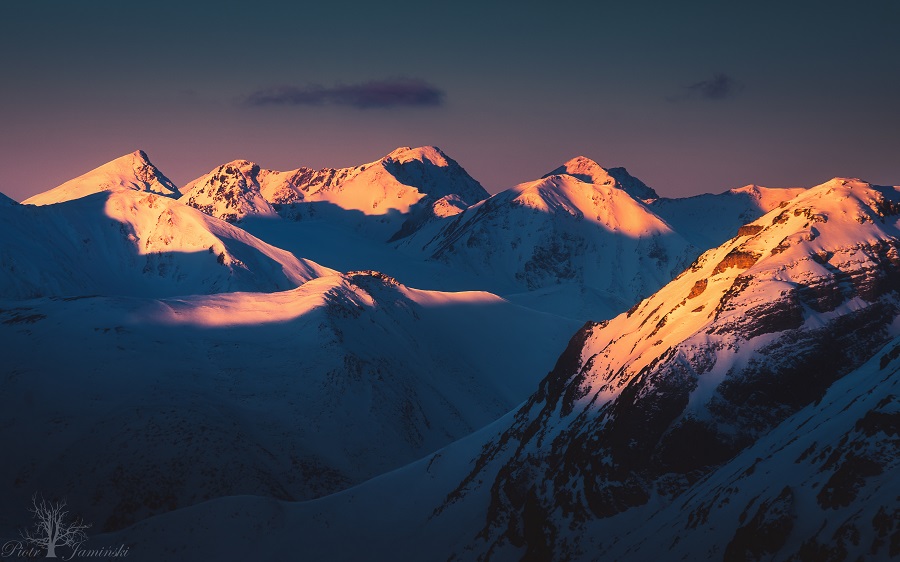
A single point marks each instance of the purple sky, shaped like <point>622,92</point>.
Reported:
<point>690,97</point>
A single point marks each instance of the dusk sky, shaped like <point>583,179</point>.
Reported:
<point>690,97</point>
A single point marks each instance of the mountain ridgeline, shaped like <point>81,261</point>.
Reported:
<point>732,393</point>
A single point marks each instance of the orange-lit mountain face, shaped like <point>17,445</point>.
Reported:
<point>385,347</point>
<point>641,407</point>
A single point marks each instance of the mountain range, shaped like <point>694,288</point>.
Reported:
<point>241,365</point>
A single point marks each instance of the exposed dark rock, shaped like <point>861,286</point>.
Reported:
<point>840,490</point>
<point>697,289</point>
<point>875,421</point>
<point>692,444</point>
<point>766,533</point>
<point>750,230</point>
<point>889,356</point>
<point>736,258</point>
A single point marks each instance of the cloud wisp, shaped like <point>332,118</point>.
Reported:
<point>367,95</point>
<point>721,86</point>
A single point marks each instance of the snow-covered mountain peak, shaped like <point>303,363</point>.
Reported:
<point>845,199</point>
<point>389,198</point>
<point>584,169</point>
<point>432,172</point>
<point>431,154</point>
<point>246,166</point>
<point>589,171</point>
<point>803,241</point>
<point>759,192</point>
<point>602,203</point>
<point>592,249</point>
<point>398,190</point>
<point>132,171</point>
<point>131,243</point>
<point>230,192</point>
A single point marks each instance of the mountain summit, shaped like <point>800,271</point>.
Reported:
<point>230,192</point>
<point>589,171</point>
<point>393,195</point>
<point>590,245</point>
<point>396,182</point>
<point>133,171</point>
<point>129,243</point>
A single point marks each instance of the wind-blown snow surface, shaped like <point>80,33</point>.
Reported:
<point>131,407</point>
<point>770,347</point>
<point>133,171</point>
<point>127,242</point>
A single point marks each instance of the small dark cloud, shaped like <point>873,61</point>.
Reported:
<point>721,86</point>
<point>376,94</point>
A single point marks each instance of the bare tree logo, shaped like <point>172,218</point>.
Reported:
<point>51,528</point>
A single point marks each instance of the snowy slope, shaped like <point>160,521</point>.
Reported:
<point>560,239</point>
<point>140,406</point>
<point>134,243</point>
<point>709,220</point>
<point>133,171</point>
<point>822,485</point>
<point>230,192</point>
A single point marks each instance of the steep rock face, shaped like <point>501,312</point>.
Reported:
<point>644,405</point>
<point>133,172</point>
<point>132,243</point>
<point>557,231</point>
<point>230,192</point>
